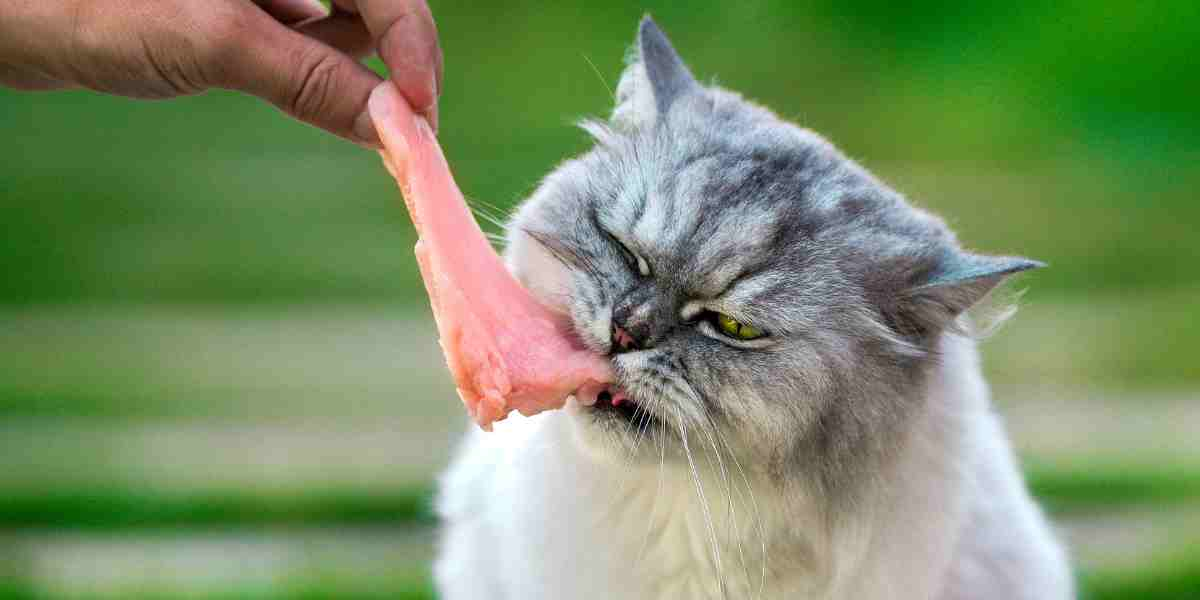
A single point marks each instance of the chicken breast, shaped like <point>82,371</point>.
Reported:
<point>505,350</point>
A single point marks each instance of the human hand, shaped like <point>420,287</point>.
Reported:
<point>292,53</point>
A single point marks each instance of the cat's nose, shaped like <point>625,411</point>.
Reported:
<point>633,322</point>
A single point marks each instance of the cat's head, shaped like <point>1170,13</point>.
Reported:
<point>743,274</point>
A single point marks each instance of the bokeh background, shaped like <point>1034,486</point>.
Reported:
<point>219,376</point>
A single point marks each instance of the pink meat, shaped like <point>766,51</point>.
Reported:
<point>505,350</point>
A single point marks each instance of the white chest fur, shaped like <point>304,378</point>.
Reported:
<point>556,523</point>
<point>530,515</point>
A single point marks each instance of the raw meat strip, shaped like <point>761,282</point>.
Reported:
<point>505,350</point>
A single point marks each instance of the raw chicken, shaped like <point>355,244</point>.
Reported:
<point>505,350</point>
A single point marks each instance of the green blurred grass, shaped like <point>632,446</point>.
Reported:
<point>231,362</point>
<point>137,508</point>
<point>1062,490</point>
<point>1173,577</point>
<point>1030,127</point>
<point>1100,487</point>
<point>1131,340</point>
<point>412,587</point>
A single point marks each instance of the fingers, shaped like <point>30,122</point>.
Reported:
<point>338,28</point>
<point>407,41</point>
<point>343,31</point>
<point>311,72</point>
<point>29,81</point>
<point>290,12</point>
<point>402,31</point>
<point>306,78</point>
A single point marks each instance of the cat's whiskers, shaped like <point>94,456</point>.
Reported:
<point>662,461</point>
<point>480,212</point>
<point>491,219</point>
<point>631,455</point>
<point>642,417</point>
<point>489,213</point>
<point>497,241</point>
<point>731,513</point>
<point>756,514</point>
<point>611,93</point>
<point>708,520</point>
<point>708,427</point>
<point>484,204</point>
<point>643,426</point>
<point>758,520</point>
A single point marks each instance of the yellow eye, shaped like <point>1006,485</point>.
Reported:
<point>736,329</point>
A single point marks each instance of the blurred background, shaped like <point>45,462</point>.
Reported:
<point>218,371</point>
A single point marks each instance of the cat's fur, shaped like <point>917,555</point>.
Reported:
<point>852,453</point>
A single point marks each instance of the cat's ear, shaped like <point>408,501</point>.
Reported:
<point>655,78</point>
<point>958,281</point>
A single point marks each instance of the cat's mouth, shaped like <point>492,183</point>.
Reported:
<point>614,403</point>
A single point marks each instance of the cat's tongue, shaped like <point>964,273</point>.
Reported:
<point>505,350</point>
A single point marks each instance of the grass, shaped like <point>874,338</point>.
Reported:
<point>1098,487</point>
<point>1124,340</point>
<point>233,362</point>
<point>1063,491</point>
<point>1173,577</point>
<point>252,228</point>
<point>1027,147</point>
<point>128,509</point>
<point>413,587</point>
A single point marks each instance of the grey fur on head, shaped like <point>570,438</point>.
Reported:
<point>695,201</point>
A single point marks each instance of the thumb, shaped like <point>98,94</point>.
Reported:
<point>307,79</point>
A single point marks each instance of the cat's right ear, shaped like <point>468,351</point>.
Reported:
<point>957,282</point>
<point>654,80</point>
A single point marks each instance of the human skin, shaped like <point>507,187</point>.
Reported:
<point>293,53</point>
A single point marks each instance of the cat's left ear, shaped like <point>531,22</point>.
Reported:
<point>654,80</point>
<point>958,282</point>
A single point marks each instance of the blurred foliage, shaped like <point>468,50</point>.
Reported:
<point>1128,339</point>
<point>123,508</point>
<point>1061,130</point>
<point>1099,487</point>
<point>1174,577</point>
<point>411,587</point>
<point>1062,491</point>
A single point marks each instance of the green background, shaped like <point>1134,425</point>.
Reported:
<point>218,377</point>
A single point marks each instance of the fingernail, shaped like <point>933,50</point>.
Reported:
<point>377,104</point>
<point>364,130</point>
<point>316,6</point>
<point>381,107</point>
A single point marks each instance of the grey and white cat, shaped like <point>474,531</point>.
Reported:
<point>807,417</point>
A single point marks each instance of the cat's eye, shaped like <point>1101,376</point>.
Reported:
<point>737,329</point>
<point>634,259</point>
<point>642,266</point>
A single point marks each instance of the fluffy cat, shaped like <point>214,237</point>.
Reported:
<point>806,413</point>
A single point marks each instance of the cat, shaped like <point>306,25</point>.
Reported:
<point>806,417</point>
